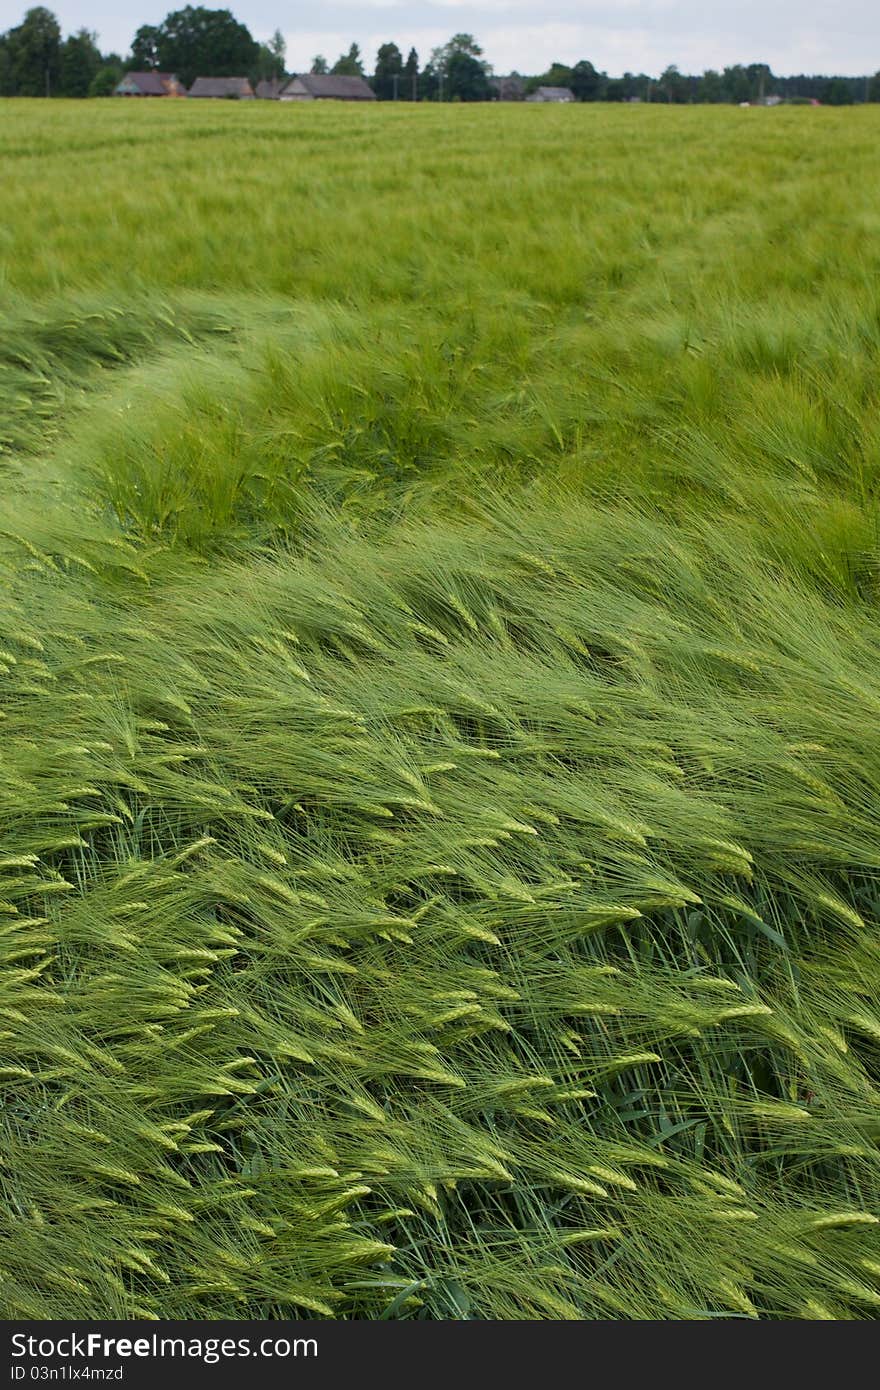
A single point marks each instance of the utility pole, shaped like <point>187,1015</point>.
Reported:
<point>415,86</point>
<point>395,78</point>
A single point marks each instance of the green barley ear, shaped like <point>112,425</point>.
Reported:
<point>439,713</point>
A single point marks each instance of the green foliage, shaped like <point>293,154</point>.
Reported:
<point>80,64</point>
<point>349,64</point>
<point>271,59</point>
<point>439,690</point>
<point>673,85</point>
<point>839,92</point>
<point>466,78</point>
<point>104,82</point>
<point>33,51</point>
<point>557,75</point>
<point>457,71</point>
<point>585,81</point>
<point>410,83</point>
<point>737,84</point>
<point>197,42</point>
<point>7,82</point>
<point>389,72</point>
<point>145,48</point>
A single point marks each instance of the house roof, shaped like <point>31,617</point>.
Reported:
<point>554,94</point>
<point>221,87</point>
<point>333,86</point>
<point>150,84</point>
<point>270,89</point>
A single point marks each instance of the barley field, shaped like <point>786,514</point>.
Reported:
<point>439,712</point>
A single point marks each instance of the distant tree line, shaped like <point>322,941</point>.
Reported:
<point>35,60</point>
<point>193,42</point>
<point>753,82</point>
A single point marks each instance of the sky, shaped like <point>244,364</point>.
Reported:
<point>527,35</point>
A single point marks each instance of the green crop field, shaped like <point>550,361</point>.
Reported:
<point>439,711</point>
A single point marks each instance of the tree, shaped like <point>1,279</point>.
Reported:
<point>7,76</point>
<point>874,87</point>
<point>387,79</point>
<point>319,66</point>
<point>467,78</point>
<point>278,48</point>
<point>456,70</point>
<point>411,76</point>
<point>271,59</point>
<point>711,87</point>
<point>145,49</point>
<point>736,83</point>
<point>34,49</point>
<point>104,82</point>
<point>760,81</point>
<point>80,63</point>
<point>838,93</point>
<point>349,64</point>
<point>459,43</point>
<point>557,75</point>
<point>586,83</point>
<point>195,42</point>
<point>637,84</point>
<point>429,82</point>
<point>670,83</point>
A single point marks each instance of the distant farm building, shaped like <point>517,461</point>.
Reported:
<point>552,94</point>
<point>508,88</point>
<point>270,89</point>
<point>313,86</point>
<point>237,88</point>
<point>150,84</point>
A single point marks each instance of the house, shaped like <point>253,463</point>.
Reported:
<point>150,84</point>
<point>313,86</point>
<point>552,94</point>
<point>270,89</point>
<point>508,88</point>
<point>237,88</point>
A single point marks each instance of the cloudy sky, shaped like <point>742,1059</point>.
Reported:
<point>639,35</point>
